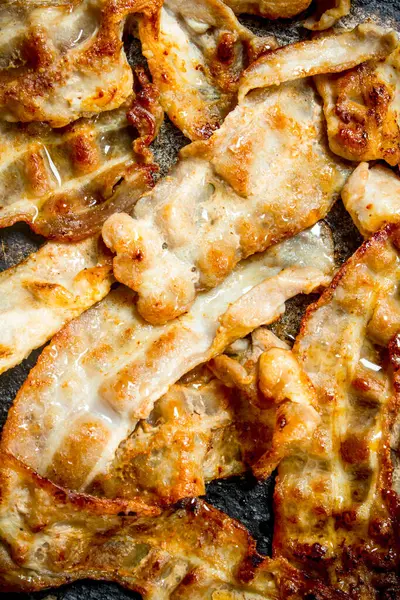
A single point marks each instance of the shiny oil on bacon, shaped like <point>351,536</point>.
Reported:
<point>335,506</point>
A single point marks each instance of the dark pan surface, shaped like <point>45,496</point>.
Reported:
<point>240,497</point>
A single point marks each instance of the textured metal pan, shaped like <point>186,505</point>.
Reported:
<point>241,497</point>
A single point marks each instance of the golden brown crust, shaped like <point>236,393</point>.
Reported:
<point>333,503</point>
<point>65,183</point>
<point>56,83</point>
<point>361,108</point>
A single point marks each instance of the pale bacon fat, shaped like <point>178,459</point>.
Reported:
<point>362,109</point>
<point>196,53</point>
<point>50,536</point>
<point>326,54</point>
<point>271,9</point>
<point>66,182</point>
<point>334,503</point>
<point>63,60</point>
<point>327,14</point>
<point>104,371</point>
<point>227,198</point>
<point>372,197</point>
<point>51,287</point>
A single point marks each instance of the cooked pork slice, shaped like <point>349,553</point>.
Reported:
<point>326,54</point>
<point>327,14</point>
<point>334,503</point>
<point>362,109</point>
<point>196,53</point>
<point>50,536</point>
<point>265,175</point>
<point>63,60</point>
<point>66,182</point>
<point>372,197</point>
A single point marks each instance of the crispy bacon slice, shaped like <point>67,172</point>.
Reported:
<point>372,197</point>
<point>334,503</point>
<point>271,9</point>
<point>104,371</point>
<point>196,53</point>
<point>65,183</point>
<point>361,107</point>
<point>51,287</point>
<point>327,54</point>
<point>227,198</point>
<point>50,536</point>
<point>327,14</point>
<point>63,60</point>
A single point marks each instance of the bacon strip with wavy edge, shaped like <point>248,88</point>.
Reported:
<point>227,198</point>
<point>328,12</point>
<point>326,54</point>
<point>50,536</point>
<point>372,197</point>
<point>196,53</point>
<point>362,109</point>
<point>334,504</point>
<point>63,60</point>
<point>104,371</point>
<point>66,182</point>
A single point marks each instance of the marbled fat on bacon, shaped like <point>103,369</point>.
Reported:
<point>334,504</point>
<point>227,198</point>
<point>60,61</point>
<point>104,371</point>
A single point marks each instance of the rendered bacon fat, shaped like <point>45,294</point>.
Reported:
<point>63,60</point>
<point>227,198</point>
<point>196,53</point>
<point>328,54</point>
<point>104,371</point>
<point>334,503</point>
<point>65,183</point>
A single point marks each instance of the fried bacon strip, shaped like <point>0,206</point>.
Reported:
<point>361,109</point>
<point>372,197</point>
<point>271,9</point>
<point>103,372</point>
<point>227,198</point>
<point>327,14</point>
<point>63,60</point>
<point>50,536</point>
<point>196,53</point>
<point>327,54</point>
<point>334,503</point>
<point>51,287</point>
<point>65,183</point>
